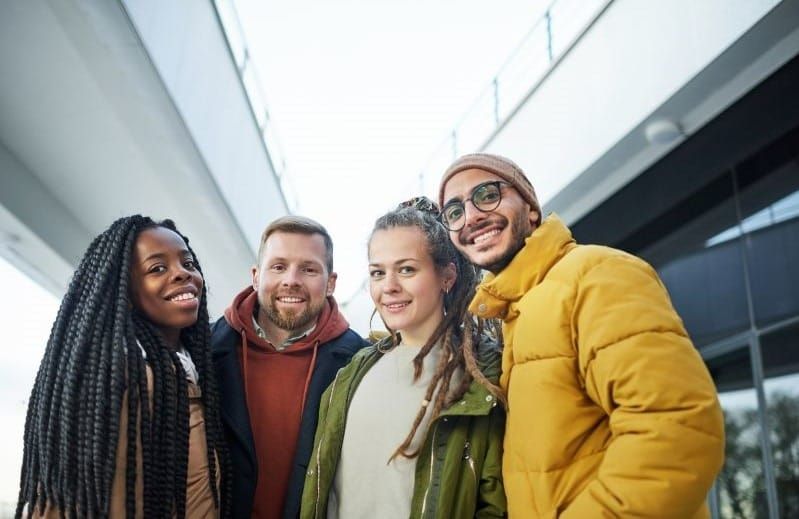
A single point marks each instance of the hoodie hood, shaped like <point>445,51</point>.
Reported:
<point>330,324</point>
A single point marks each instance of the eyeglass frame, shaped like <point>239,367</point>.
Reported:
<point>462,203</point>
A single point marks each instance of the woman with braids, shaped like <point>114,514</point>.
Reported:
<point>411,427</point>
<point>132,328</point>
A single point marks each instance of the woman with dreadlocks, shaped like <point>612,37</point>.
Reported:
<point>411,427</point>
<point>132,329</point>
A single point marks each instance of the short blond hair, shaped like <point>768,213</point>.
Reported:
<point>294,224</point>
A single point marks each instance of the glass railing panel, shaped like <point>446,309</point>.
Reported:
<point>233,32</point>
<point>522,71</point>
<point>438,162</point>
<point>563,23</point>
<point>471,130</point>
<point>251,85</point>
<point>253,88</point>
<point>568,18</point>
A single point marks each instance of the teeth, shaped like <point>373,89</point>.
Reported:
<point>396,306</point>
<point>484,237</point>
<point>289,299</point>
<point>183,297</point>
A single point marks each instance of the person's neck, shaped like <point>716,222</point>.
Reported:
<point>276,335</point>
<point>171,339</point>
<point>417,337</point>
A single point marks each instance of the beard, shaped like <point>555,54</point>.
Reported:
<point>291,321</point>
<point>520,229</point>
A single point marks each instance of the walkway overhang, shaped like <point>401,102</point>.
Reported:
<point>89,132</point>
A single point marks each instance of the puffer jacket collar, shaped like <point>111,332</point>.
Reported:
<point>542,250</point>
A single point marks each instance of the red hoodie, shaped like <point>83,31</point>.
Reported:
<point>276,383</point>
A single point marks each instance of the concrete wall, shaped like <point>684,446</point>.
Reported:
<point>185,41</point>
<point>116,108</point>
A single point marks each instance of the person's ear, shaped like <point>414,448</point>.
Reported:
<point>331,283</point>
<point>534,217</point>
<point>254,272</point>
<point>450,276</point>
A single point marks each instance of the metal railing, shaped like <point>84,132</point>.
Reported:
<point>234,33</point>
<point>553,35</point>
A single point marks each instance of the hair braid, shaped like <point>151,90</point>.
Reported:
<point>197,340</point>
<point>455,335</point>
<point>181,438</point>
<point>92,360</point>
<point>133,418</point>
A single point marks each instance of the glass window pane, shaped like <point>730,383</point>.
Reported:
<point>780,351</point>
<point>769,198</point>
<point>740,488</point>
<point>703,271</point>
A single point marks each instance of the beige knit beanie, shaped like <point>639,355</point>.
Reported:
<point>500,166</point>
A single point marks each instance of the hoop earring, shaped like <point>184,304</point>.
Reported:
<point>376,336</point>
<point>374,312</point>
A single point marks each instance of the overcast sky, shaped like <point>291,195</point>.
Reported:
<point>363,91</point>
<point>27,312</point>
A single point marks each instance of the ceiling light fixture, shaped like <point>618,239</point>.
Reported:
<point>663,131</point>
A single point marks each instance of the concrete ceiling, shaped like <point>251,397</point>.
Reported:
<point>759,52</point>
<point>89,133</point>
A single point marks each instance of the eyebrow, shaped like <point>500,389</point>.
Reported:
<point>159,255</point>
<point>471,191</point>
<point>272,261</point>
<point>399,261</point>
<point>453,199</point>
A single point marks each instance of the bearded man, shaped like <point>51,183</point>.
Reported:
<point>278,347</point>
<point>611,411</point>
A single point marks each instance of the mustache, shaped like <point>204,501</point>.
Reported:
<point>290,293</point>
<point>466,233</point>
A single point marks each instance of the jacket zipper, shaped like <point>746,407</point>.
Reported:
<point>432,459</point>
<point>319,451</point>
<point>467,455</point>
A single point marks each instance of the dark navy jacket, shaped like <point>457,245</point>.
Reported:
<point>331,356</point>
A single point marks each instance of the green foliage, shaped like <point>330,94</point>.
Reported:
<point>741,484</point>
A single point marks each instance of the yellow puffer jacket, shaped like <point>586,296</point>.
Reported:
<point>612,412</point>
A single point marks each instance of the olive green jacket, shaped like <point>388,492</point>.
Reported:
<point>458,472</point>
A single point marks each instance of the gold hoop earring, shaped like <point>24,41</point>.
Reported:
<point>372,318</point>
<point>375,336</point>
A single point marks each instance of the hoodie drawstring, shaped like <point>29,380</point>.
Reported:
<point>308,375</point>
<point>311,367</point>
<point>244,349</point>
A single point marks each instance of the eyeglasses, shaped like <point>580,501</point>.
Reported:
<point>485,198</point>
<point>422,203</point>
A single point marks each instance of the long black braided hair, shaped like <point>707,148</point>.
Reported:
<point>91,365</point>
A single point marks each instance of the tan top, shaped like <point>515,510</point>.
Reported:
<point>199,500</point>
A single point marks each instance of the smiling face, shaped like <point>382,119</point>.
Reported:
<point>165,284</point>
<point>406,286</point>
<point>292,283</point>
<point>489,240</point>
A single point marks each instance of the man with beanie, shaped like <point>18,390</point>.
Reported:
<point>612,412</point>
<point>275,351</point>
